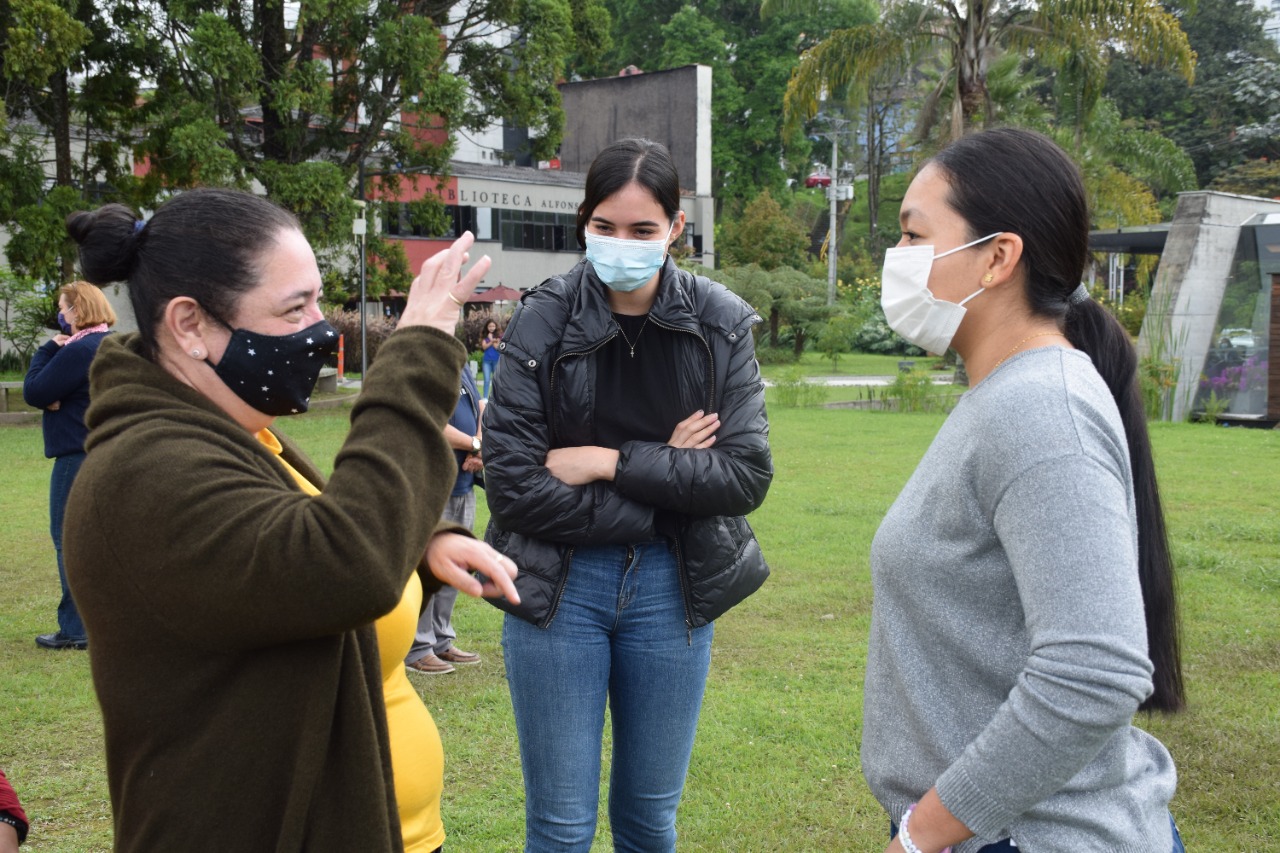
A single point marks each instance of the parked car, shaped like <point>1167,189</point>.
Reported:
<point>1239,337</point>
<point>818,179</point>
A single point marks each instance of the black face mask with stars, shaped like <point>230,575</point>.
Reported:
<point>276,374</point>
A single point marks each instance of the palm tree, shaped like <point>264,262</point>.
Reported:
<point>968,35</point>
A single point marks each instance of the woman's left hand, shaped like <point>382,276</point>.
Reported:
<point>698,431</point>
<point>577,466</point>
<point>452,558</point>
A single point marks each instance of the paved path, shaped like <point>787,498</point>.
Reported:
<point>941,378</point>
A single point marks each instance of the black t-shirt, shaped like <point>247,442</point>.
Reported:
<point>635,394</point>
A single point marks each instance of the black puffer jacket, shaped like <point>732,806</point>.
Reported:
<point>543,398</point>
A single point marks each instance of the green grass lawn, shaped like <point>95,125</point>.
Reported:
<point>776,761</point>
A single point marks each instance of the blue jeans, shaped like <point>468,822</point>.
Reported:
<point>488,367</point>
<point>65,469</point>
<point>1007,846</point>
<point>619,633</point>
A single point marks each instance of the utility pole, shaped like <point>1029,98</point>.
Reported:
<point>837,126</point>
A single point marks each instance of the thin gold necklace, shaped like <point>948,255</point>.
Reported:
<point>630,343</point>
<point>1016,346</point>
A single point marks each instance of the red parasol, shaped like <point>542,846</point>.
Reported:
<point>501,293</point>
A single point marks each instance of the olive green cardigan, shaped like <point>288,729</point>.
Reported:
<point>229,614</point>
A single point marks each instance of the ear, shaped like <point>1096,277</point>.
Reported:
<point>677,230</point>
<point>186,325</point>
<point>1005,257</point>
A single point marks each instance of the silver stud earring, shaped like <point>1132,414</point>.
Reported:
<point>195,353</point>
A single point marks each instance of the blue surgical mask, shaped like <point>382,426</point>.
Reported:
<point>626,265</point>
<point>63,324</point>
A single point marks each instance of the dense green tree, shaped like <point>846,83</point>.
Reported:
<point>70,72</point>
<point>1237,86</point>
<point>785,297</point>
<point>292,97</point>
<point>1255,177</point>
<point>1075,37</point>
<point>765,234</point>
<point>751,60</point>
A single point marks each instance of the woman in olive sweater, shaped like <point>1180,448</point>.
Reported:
<point>233,655</point>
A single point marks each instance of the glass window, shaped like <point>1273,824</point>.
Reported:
<point>1236,368</point>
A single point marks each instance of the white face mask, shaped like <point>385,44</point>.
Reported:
<point>626,265</point>
<point>910,307</point>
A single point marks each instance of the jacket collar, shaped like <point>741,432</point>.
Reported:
<point>591,319</point>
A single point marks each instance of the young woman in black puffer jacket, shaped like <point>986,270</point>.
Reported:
<point>624,441</point>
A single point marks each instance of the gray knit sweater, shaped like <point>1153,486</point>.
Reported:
<point>1008,645</point>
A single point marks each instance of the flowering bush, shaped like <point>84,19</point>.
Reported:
<point>1251,375</point>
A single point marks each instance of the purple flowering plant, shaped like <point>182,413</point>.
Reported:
<point>1251,375</point>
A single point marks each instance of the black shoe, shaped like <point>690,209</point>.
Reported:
<point>58,641</point>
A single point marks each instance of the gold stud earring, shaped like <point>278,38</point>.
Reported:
<point>987,278</point>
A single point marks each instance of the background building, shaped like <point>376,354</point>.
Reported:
<point>524,216</point>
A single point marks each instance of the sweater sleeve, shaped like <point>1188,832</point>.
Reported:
<point>729,478</point>
<point>235,555</point>
<point>55,372</point>
<point>1067,531</point>
<point>11,807</point>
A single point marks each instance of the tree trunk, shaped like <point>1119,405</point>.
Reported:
<point>61,96</point>
<point>269,24</point>
<point>775,320</point>
<point>971,67</point>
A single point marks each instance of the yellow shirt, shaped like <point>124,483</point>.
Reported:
<point>417,756</point>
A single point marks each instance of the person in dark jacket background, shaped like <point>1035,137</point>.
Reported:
<point>625,438</point>
<point>58,383</point>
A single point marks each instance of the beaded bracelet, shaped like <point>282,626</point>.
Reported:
<point>904,836</point>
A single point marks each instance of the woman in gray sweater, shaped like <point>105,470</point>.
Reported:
<point>1024,606</point>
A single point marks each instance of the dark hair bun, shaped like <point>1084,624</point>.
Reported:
<point>108,242</point>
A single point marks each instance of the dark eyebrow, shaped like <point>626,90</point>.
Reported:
<point>604,221</point>
<point>304,295</point>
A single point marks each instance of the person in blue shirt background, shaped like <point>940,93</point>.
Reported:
<point>433,651</point>
<point>489,343</point>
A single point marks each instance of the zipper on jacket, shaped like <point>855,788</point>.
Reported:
<point>711,359</point>
<point>564,581</point>
<point>675,540</point>
<point>684,588</point>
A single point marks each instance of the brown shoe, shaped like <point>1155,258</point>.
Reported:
<point>456,655</point>
<point>429,665</point>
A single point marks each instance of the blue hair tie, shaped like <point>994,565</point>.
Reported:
<point>138,225</point>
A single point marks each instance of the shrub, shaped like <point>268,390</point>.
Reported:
<point>875,336</point>
<point>792,390</point>
<point>775,355</point>
<point>348,325</point>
